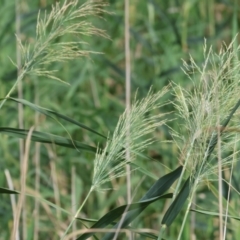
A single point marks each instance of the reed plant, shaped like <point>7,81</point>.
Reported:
<point>211,127</point>
<point>64,20</point>
<point>110,162</point>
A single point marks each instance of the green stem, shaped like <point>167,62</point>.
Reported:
<point>161,232</point>
<point>20,77</point>
<point>186,213</point>
<point>77,213</point>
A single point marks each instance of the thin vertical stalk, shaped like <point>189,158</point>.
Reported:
<point>19,63</point>
<point>220,186</point>
<point>12,197</point>
<point>128,95</point>
<point>24,167</point>
<point>20,106</point>
<point>128,99</point>
<point>73,196</point>
<point>37,172</point>
<point>229,191</point>
<point>193,221</point>
<point>78,211</point>
<point>37,188</point>
<point>55,186</point>
<point>19,79</point>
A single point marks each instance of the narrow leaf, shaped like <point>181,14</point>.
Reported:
<point>144,234</point>
<point>7,191</point>
<point>117,212</point>
<point>47,138</point>
<point>177,204</point>
<point>214,214</point>
<point>157,189</point>
<point>51,114</point>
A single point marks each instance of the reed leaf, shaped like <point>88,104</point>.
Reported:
<point>157,189</point>
<point>52,114</point>
<point>7,191</point>
<point>117,212</point>
<point>48,138</point>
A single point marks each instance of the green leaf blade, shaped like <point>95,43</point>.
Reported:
<point>51,114</point>
<point>47,138</point>
<point>7,191</point>
<point>177,204</point>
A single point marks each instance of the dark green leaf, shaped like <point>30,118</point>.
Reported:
<point>155,192</point>
<point>7,191</point>
<point>51,114</point>
<point>157,189</point>
<point>117,212</point>
<point>177,204</point>
<point>47,138</point>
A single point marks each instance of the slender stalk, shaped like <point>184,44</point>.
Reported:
<point>20,106</point>
<point>187,211</point>
<point>162,230</point>
<point>73,195</point>
<point>128,101</point>
<point>19,79</point>
<point>36,160</point>
<point>37,187</point>
<point>19,64</point>
<point>78,211</point>
<point>24,168</point>
<point>12,198</point>
<point>128,94</point>
<point>229,192</point>
<point>55,186</point>
<point>220,192</point>
<point>193,220</point>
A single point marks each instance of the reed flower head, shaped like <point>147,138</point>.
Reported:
<point>206,110</point>
<point>111,162</point>
<point>68,22</point>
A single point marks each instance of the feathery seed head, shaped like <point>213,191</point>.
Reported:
<point>65,20</point>
<point>111,162</point>
<point>205,108</point>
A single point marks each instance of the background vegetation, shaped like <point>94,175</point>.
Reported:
<point>162,34</point>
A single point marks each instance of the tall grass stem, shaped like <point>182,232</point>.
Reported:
<point>128,101</point>
<point>77,213</point>
<point>24,168</point>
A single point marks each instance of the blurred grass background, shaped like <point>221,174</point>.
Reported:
<point>162,33</point>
